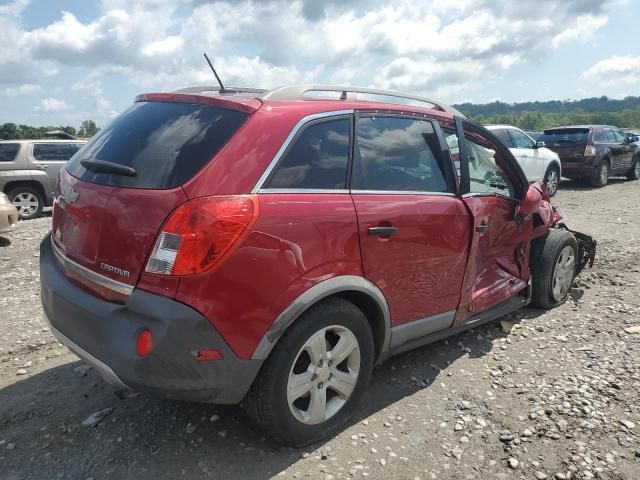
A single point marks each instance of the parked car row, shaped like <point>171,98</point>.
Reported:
<point>590,152</point>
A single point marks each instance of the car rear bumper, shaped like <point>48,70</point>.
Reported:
<point>577,170</point>
<point>8,218</point>
<point>104,334</point>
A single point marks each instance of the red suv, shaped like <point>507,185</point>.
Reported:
<point>270,247</point>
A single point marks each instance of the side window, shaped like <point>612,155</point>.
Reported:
<point>608,134</point>
<point>619,136</point>
<point>8,151</point>
<point>485,175</point>
<point>317,160</point>
<point>398,154</point>
<point>504,137</point>
<point>599,137</point>
<point>520,140</point>
<point>54,151</point>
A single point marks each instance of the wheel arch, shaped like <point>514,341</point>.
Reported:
<point>26,183</point>
<point>357,290</point>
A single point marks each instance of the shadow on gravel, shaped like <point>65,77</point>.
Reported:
<point>147,437</point>
<point>4,242</point>
<point>583,185</point>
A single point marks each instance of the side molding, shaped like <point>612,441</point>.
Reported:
<point>419,328</point>
<point>315,294</point>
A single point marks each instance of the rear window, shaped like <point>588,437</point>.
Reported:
<point>165,143</point>
<point>8,151</point>
<point>565,135</point>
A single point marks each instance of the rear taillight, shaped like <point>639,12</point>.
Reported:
<point>199,233</point>
<point>590,151</point>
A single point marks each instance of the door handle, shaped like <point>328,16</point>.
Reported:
<point>482,228</point>
<point>383,231</point>
<point>42,167</point>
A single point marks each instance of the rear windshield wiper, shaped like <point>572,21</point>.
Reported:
<point>100,166</point>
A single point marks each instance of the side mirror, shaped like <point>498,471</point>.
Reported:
<point>540,144</point>
<point>635,139</point>
<point>531,201</point>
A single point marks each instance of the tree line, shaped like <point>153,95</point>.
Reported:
<point>12,131</point>
<point>624,113</point>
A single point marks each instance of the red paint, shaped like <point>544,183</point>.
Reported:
<point>144,343</point>
<point>436,262</point>
<point>420,268</point>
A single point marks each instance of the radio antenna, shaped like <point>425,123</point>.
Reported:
<point>222,89</point>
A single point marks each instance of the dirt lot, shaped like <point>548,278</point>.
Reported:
<point>557,396</point>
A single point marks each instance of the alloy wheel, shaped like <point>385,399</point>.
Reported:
<point>604,173</point>
<point>26,203</point>
<point>552,182</point>
<point>324,375</point>
<point>563,272</point>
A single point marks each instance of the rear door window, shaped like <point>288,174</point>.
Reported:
<point>504,137</point>
<point>166,143</point>
<point>54,151</point>
<point>317,160</point>
<point>599,136</point>
<point>398,154</point>
<point>8,151</point>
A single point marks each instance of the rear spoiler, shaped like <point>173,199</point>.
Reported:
<point>246,105</point>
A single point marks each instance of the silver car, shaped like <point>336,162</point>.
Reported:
<point>28,171</point>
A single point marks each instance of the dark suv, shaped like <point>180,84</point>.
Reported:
<point>594,152</point>
<point>270,247</point>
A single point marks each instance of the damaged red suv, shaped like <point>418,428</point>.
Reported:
<point>269,247</point>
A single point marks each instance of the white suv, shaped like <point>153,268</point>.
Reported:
<point>538,163</point>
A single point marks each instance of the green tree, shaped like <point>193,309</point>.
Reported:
<point>88,128</point>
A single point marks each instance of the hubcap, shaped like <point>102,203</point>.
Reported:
<point>323,375</point>
<point>26,203</point>
<point>552,182</point>
<point>604,174</point>
<point>563,273</point>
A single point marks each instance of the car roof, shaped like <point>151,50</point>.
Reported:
<point>338,98</point>
<point>579,126</point>
<point>495,127</point>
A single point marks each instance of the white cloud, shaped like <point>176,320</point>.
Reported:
<point>616,70</point>
<point>51,105</point>
<point>24,89</point>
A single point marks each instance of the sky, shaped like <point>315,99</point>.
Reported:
<point>64,61</point>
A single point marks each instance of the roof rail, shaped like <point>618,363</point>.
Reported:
<point>231,90</point>
<point>297,92</point>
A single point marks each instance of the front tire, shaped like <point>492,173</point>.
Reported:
<point>28,201</point>
<point>553,268</point>
<point>601,175</point>
<point>634,173</point>
<point>315,376</point>
<point>552,180</point>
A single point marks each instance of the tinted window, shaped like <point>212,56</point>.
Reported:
<point>599,136</point>
<point>398,154</point>
<point>317,160</point>
<point>165,143</point>
<point>8,151</point>
<point>619,136</point>
<point>565,135</point>
<point>54,151</point>
<point>520,140</point>
<point>608,135</point>
<point>504,137</point>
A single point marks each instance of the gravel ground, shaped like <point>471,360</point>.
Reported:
<point>535,396</point>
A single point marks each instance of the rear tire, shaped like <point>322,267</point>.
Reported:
<point>601,175</point>
<point>299,375</point>
<point>552,180</point>
<point>634,173</point>
<point>553,267</point>
<point>28,201</point>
